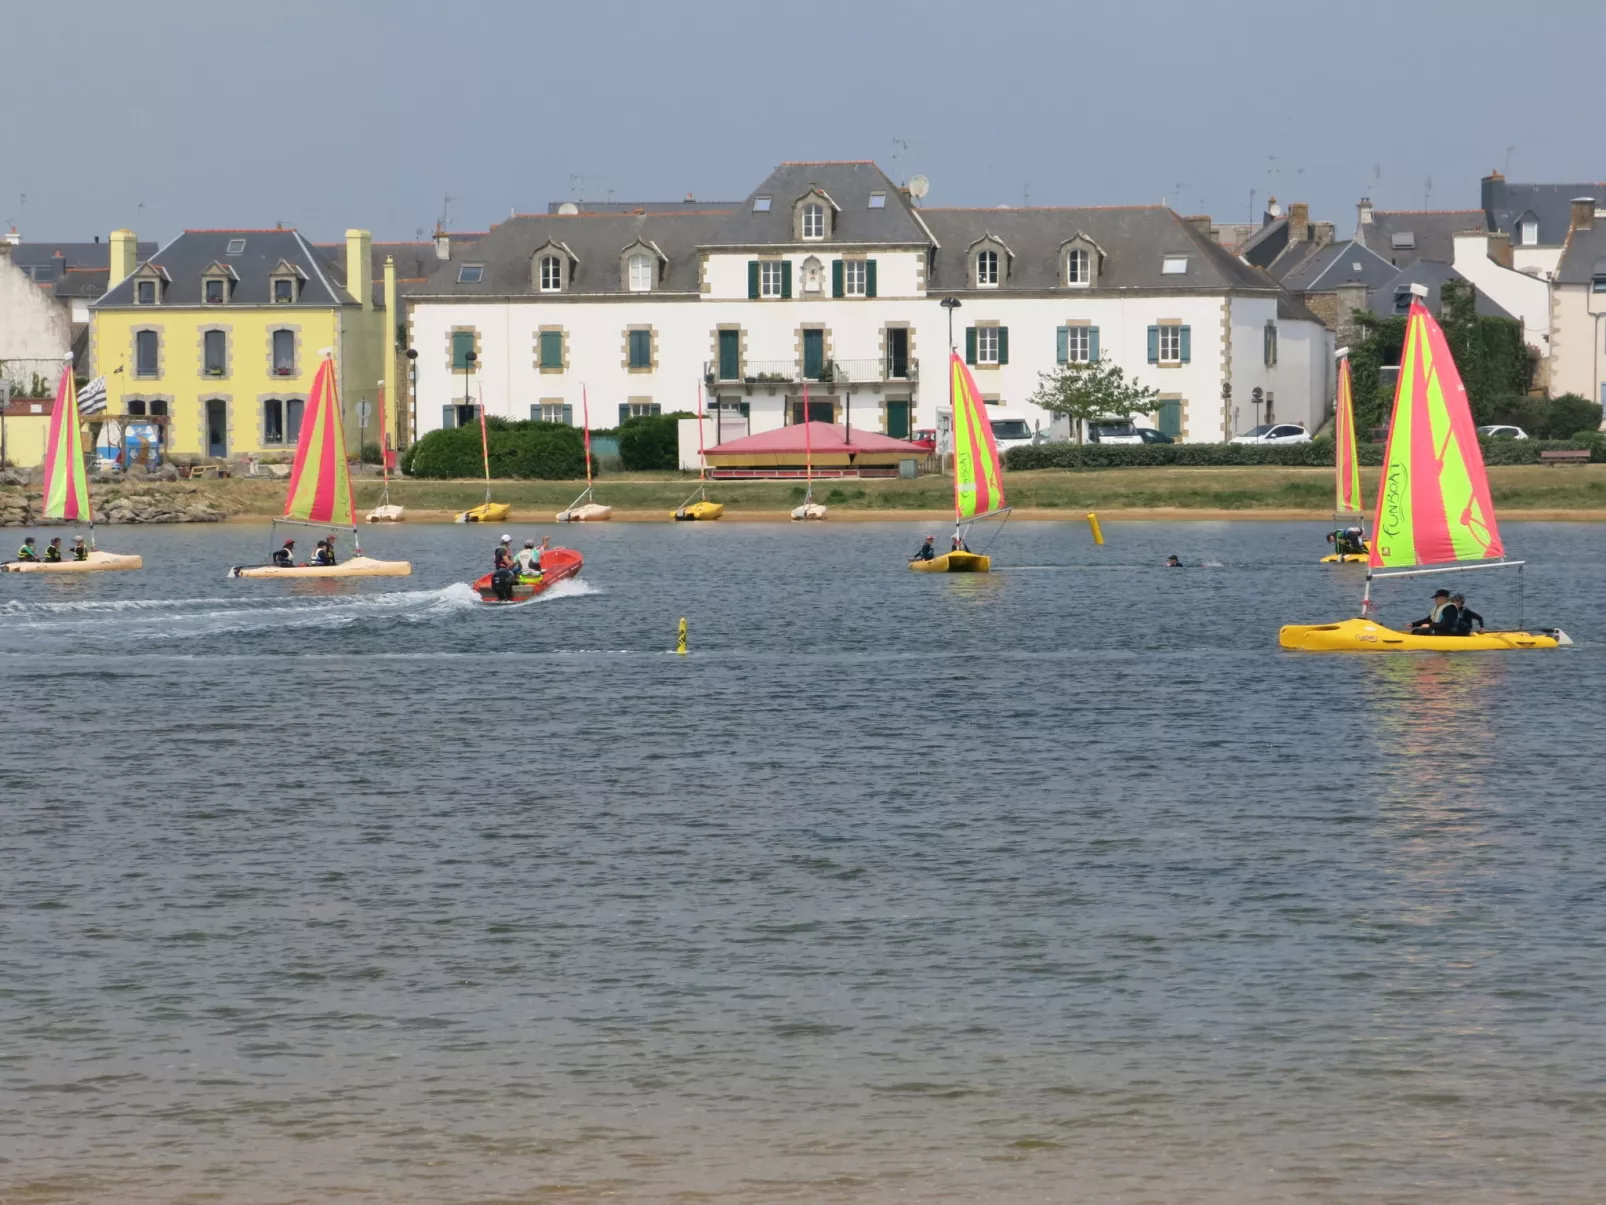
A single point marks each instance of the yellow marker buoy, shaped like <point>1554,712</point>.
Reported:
<point>680,637</point>
<point>1098,532</point>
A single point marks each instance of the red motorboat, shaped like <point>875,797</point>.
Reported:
<point>557,564</point>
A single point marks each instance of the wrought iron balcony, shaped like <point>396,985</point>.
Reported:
<point>832,372</point>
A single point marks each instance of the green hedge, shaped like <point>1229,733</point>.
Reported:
<point>551,451</point>
<point>1316,454</point>
<point>651,443</point>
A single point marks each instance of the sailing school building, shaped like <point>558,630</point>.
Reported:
<point>831,274</point>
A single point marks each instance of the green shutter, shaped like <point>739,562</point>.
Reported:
<point>1187,343</point>
<point>970,345</point>
<point>869,278</point>
<point>1154,345</point>
<point>624,412</point>
<point>746,408</point>
<point>640,349</point>
<point>1093,344</point>
<point>836,278</point>
<point>551,349</point>
<point>730,355</point>
<point>752,280</point>
<point>1171,418</point>
<point>1062,338</point>
<point>448,417</point>
<point>1003,345</point>
<point>462,344</point>
<point>898,420</point>
<point>786,278</point>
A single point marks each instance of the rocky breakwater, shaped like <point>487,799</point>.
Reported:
<point>114,498</point>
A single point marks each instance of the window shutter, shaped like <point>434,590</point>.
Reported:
<point>448,417</point>
<point>1003,345</point>
<point>535,412</point>
<point>786,278</point>
<point>836,278</point>
<point>970,345</point>
<point>869,278</point>
<point>568,416</point>
<point>1093,344</point>
<point>1062,337</point>
<point>1187,341</point>
<point>624,412</point>
<point>1154,345</point>
<point>752,280</point>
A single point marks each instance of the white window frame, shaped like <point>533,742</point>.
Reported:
<point>222,290</point>
<point>645,409</point>
<point>761,204</point>
<point>551,274</point>
<point>471,274</point>
<point>1174,265</point>
<point>555,412</point>
<point>986,345</point>
<point>855,277</point>
<point>878,200</point>
<point>290,287</point>
<point>641,273</point>
<point>987,269</point>
<point>1170,345</point>
<point>1078,345</point>
<point>1528,233</point>
<point>1078,268</point>
<point>769,278</point>
<point>813,223</point>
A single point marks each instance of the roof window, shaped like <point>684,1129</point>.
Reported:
<point>878,200</point>
<point>471,274</point>
<point>1405,240</point>
<point>236,247</point>
<point>761,204</point>
<point>1174,265</point>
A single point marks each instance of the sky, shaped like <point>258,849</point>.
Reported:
<point>327,114</point>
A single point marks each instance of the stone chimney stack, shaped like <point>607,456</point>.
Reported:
<point>1322,233</point>
<point>443,243</point>
<point>1583,213</point>
<point>1500,248</point>
<point>1201,223</point>
<point>1364,212</point>
<point>124,257</point>
<point>1299,222</point>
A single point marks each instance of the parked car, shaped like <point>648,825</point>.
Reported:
<point>1275,433</point>
<point>1113,431</point>
<point>1499,431</point>
<point>1013,433</point>
<point>1150,436</point>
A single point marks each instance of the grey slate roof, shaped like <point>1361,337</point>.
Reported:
<point>1582,260</point>
<point>1264,246</point>
<point>1326,268</point>
<point>1134,240</point>
<point>1425,272</point>
<point>596,240</point>
<point>1432,232</point>
<point>1505,204</point>
<point>415,262</point>
<point>81,270</point>
<point>193,252</point>
<point>847,184</point>
<point>687,205</point>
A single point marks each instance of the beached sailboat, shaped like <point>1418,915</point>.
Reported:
<point>697,508</point>
<point>1434,514</point>
<point>810,508</point>
<point>66,487</point>
<point>320,489</point>
<point>386,511</point>
<point>978,477</point>
<point>585,508</point>
<point>487,511</point>
<point>1348,507</point>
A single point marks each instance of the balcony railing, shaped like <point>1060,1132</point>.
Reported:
<point>790,372</point>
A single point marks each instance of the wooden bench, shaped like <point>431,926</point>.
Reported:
<point>1565,456</point>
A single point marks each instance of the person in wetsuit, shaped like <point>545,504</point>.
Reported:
<point>53,551</point>
<point>329,551</point>
<point>1348,541</point>
<point>1466,617</point>
<point>928,551</point>
<point>285,558</point>
<point>80,550</point>
<point>1443,620</point>
<point>27,552</point>
<point>504,570</point>
<point>959,542</point>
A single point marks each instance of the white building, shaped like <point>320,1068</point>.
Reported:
<point>829,273</point>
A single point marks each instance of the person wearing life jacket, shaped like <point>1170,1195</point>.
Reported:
<point>80,550</point>
<point>285,558</point>
<point>1443,620</point>
<point>329,551</point>
<point>53,551</point>
<point>959,542</point>
<point>928,551</point>
<point>1348,541</point>
<point>529,561</point>
<point>504,569</point>
<point>27,552</point>
<point>1174,562</point>
<point>1467,617</point>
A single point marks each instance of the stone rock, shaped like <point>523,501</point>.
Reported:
<point>166,472</point>
<point>13,476</point>
<point>135,472</point>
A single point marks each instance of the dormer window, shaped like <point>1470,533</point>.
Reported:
<point>551,274</point>
<point>813,221</point>
<point>145,292</point>
<point>1078,267</point>
<point>986,269</point>
<point>285,286</point>
<point>1528,232</point>
<point>216,290</point>
<point>640,271</point>
<point>284,291</point>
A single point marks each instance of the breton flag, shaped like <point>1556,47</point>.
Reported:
<point>92,400</point>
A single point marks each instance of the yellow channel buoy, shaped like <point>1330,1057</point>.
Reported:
<point>1098,532</point>
<point>680,637</point>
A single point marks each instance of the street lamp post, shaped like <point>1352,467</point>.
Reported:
<point>412,373</point>
<point>950,304</point>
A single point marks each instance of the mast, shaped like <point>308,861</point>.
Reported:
<point>702,460</point>
<point>585,419</point>
<point>808,451</point>
<point>384,447</point>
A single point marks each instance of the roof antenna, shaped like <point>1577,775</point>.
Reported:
<point>1026,195</point>
<point>1509,149</point>
<point>1427,192</point>
<point>446,209</point>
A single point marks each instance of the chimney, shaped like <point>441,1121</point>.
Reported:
<point>1321,233</point>
<point>12,237</point>
<point>1583,213</point>
<point>124,257</point>
<point>1298,222</point>
<point>443,243</point>
<point>1364,211</point>
<point>1500,248</point>
<point>1201,223</point>
<point>359,267</point>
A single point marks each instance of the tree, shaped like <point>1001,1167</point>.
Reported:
<point>1086,391</point>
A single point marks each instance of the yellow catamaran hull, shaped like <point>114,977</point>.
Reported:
<point>699,512</point>
<point>486,512</point>
<point>358,566</point>
<point>1364,636</point>
<point>954,562</point>
<point>1346,558</point>
<point>97,562</point>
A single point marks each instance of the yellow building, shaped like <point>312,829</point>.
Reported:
<point>215,339</point>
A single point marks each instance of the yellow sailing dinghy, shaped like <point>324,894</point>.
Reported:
<point>697,508</point>
<point>67,487</point>
<point>320,489</point>
<point>585,508</point>
<point>978,477</point>
<point>1434,514</point>
<point>487,511</point>
<point>810,508</point>
<point>1346,463</point>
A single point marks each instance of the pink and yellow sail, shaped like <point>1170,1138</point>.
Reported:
<point>1433,504</point>
<point>978,480</point>
<point>320,482</point>
<point>66,482</point>
<point>1348,462</point>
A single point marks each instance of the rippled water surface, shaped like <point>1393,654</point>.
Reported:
<point>1062,884</point>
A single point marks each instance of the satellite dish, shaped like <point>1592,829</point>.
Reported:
<point>1274,209</point>
<point>568,209</point>
<point>919,186</point>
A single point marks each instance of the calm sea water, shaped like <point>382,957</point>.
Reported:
<point>1062,884</point>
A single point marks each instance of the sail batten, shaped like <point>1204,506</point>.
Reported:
<point>320,481</point>
<point>1347,460</point>
<point>978,480</point>
<point>66,484</point>
<point>1433,502</point>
